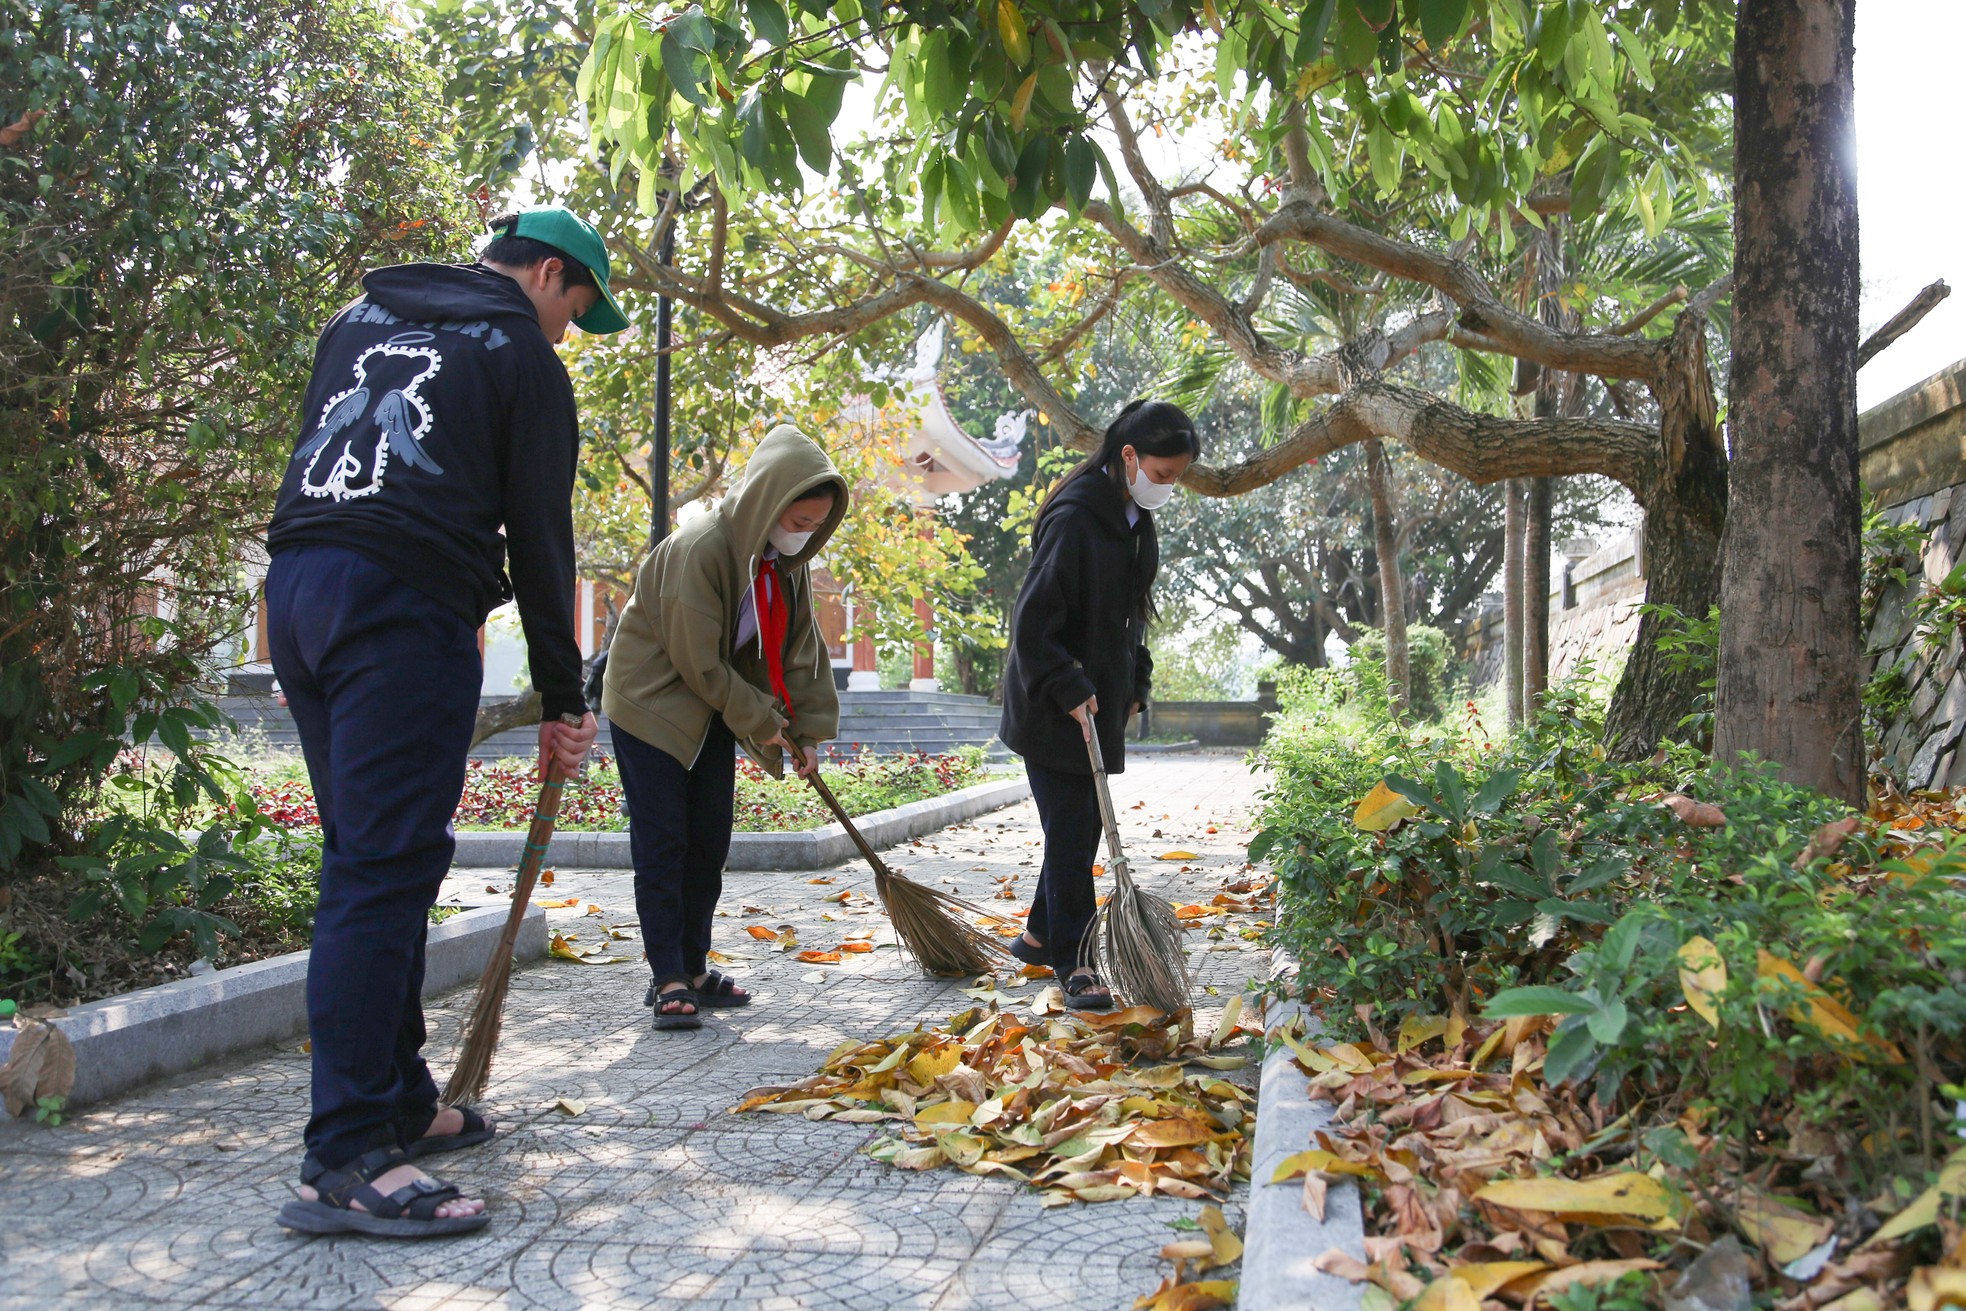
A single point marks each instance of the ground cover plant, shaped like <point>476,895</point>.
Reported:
<point>499,794</point>
<point>1591,1018</point>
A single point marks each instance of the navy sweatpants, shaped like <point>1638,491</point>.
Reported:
<point>383,683</point>
<point>1063,904</point>
<point>679,822</point>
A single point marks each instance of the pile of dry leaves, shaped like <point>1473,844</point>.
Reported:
<point>1057,1103</point>
<point>1488,1188</point>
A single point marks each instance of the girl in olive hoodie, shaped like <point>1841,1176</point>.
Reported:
<point>718,647</point>
<point>1078,664</point>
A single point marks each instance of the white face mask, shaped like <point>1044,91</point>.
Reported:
<point>788,544</point>
<point>1148,494</point>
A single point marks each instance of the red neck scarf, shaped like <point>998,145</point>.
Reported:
<point>774,617</point>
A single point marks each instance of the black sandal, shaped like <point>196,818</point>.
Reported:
<point>1085,992</point>
<point>417,1142</point>
<point>409,1212</point>
<point>1030,955</point>
<point>657,999</point>
<point>719,989</point>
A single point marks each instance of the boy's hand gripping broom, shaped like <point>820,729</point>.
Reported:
<point>1138,936</point>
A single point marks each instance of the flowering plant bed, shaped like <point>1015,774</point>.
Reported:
<point>499,794</point>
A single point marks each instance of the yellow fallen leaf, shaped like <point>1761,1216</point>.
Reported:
<point>1170,1133</point>
<point>1530,1287</point>
<point>1622,1193</point>
<point>955,1111</point>
<point>1177,855</point>
<point>1484,1277</point>
<point>856,945</point>
<point>1225,1026</point>
<point>819,957</point>
<point>1933,1287</point>
<point>1382,809</point>
<point>1199,1296</point>
<point>1447,1294</point>
<point>760,932</point>
<point>546,878</point>
<point>1784,1232</point>
<point>1702,977</point>
<point>1823,1012</point>
<point>556,903</point>
<point>1319,1159</point>
<point>1227,1246</point>
<point>1417,1029</point>
<point>569,1106</point>
<point>1188,1249</point>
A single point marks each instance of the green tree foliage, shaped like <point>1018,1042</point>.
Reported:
<point>186,193</point>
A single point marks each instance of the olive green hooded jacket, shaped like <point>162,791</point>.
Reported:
<point>671,666</point>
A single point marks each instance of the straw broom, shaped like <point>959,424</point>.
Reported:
<point>1137,935</point>
<point>928,920</point>
<point>474,1059</point>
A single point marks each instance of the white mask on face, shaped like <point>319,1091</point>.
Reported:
<point>1148,494</point>
<point>788,544</point>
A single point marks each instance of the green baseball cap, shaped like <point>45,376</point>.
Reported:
<point>564,230</point>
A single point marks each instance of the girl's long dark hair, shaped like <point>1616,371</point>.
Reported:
<point>1157,428</point>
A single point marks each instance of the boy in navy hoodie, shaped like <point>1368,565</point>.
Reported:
<point>433,479</point>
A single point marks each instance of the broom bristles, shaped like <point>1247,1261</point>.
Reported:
<point>930,926</point>
<point>1139,945</point>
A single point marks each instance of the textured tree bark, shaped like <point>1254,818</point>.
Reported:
<point>1536,591</point>
<point>501,713</point>
<point>1515,521</point>
<point>1392,588</point>
<point>1790,667</point>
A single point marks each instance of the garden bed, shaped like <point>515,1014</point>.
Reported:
<point>1598,1030</point>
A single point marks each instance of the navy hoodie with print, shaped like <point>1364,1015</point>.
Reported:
<point>438,414</point>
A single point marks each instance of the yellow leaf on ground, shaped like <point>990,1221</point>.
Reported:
<point>1933,1287</point>
<point>1170,1133</point>
<point>857,945</point>
<point>1319,1159</point>
<point>1784,1232</point>
<point>1702,977</point>
<point>927,1067</point>
<point>760,932</point>
<point>1177,855</point>
<point>556,903</point>
<point>1201,1296</point>
<point>1227,1246</point>
<point>952,1112</point>
<point>1447,1294</point>
<point>546,878</point>
<point>1484,1277</point>
<point>1624,1193</point>
<point>1823,1012</point>
<point>1382,809</point>
<point>569,1106</point>
<point>1530,1287</point>
<point>1416,1029</point>
<point>819,957</point>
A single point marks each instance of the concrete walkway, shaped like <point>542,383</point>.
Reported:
<point>652,1195</point>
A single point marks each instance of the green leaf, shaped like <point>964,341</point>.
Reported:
<point>769,21</point>
<point>1016,36</point>
<point>1377,13</point>
<point>1537,999</point>
<point>1260,845</point>
<point>1453,793</point>
<point>812,130</point>
<point>1607,1022</point>
<point>1440,20</point>
<point>1544,856</point>
<point>1635,51</point>
<point>1570,1051</point>
<point>1418,793</point>
<point>1495,789</point>
<point>687,71</point>
<point>1081,171</point>
<point>123,688</point>
<point>1312,24</point>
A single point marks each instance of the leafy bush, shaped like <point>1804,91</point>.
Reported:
<point>1432,667</point>
<point>1735,953</point>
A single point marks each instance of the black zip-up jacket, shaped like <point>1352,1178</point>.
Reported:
<point>1078,630</point>
<point>438,414</point>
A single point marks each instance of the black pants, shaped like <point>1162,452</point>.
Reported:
<point>679,821</point>
<point>1063,905</point>
<point>383,683</point>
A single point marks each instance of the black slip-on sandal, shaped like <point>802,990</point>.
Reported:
<point>657,1000</point>
<point>720,990</point>
<point>1085,992</point>
<point>419,1142</point>
<point>409,1212</point>
<point>1030,955</point>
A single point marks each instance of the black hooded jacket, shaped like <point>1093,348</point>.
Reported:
<point>439,414</point>
<point>1078,629</point>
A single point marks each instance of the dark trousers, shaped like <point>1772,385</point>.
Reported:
<point>383,683</point>
<point>679,821</point>
<point>1063,905</point>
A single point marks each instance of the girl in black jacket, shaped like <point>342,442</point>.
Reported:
<point>1078,664</point>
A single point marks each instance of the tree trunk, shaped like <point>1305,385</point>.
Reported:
<point>1790,668</point>
<point>1536,592</point>
<point>1514,521</point>
<point>502,713</point>
<point>1392,588</point>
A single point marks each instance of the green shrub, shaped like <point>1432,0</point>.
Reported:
<point>1432,669</point>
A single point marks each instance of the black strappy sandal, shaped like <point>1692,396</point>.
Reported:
<point>720,990</point>
<point>418,1143</point>
<point>409,1212</point>
<point>1086,992</point>
<point>685,995</point>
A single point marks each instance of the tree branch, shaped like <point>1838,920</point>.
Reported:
<point>1903,321</point>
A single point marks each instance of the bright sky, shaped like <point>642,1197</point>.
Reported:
<point>1910,191</point>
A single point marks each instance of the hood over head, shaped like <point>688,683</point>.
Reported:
<point>787,466</point>
<point>433,293</point>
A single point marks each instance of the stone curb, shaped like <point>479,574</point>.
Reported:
<point>761,852</point>
<point>1282,1239</point>
<point>151,1033</point>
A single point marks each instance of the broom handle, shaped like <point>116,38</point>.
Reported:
<point>546,812</point>
<point>1105,799</point>
<point>839,813</point>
